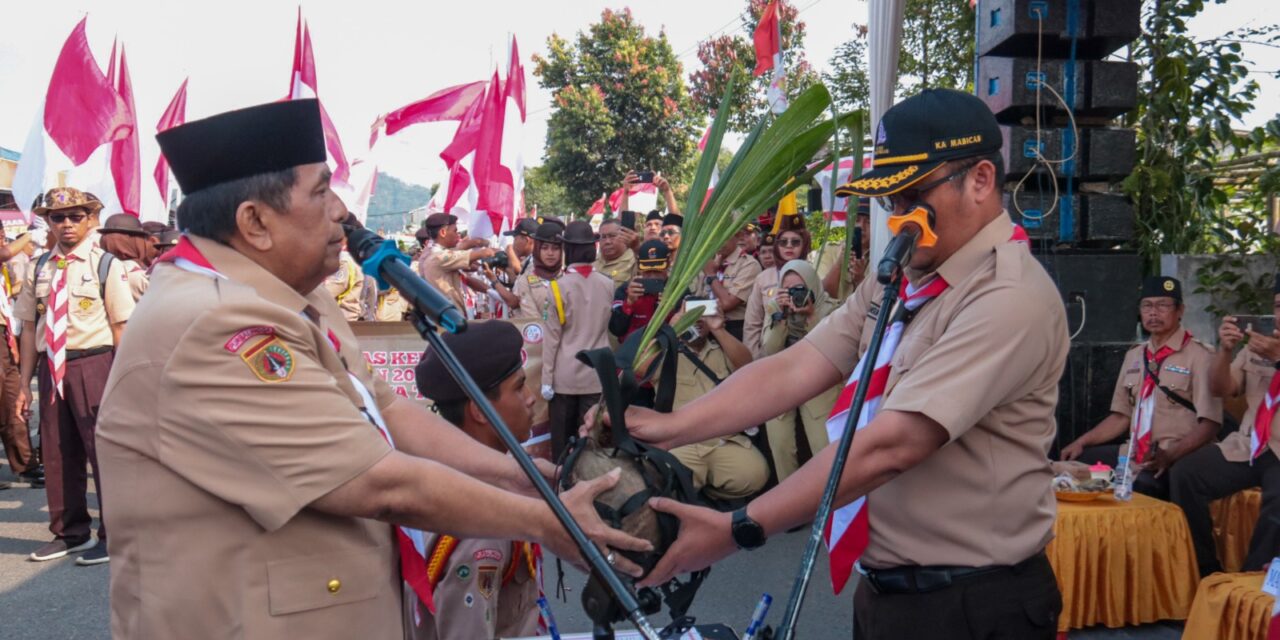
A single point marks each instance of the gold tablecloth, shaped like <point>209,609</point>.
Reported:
<point>1234,518</point>
<point>1230,606</point>
<point>1122,563</point>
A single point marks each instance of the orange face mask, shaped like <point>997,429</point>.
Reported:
<point>920,214</point>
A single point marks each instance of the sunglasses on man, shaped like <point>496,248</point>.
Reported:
<point>59,218</point>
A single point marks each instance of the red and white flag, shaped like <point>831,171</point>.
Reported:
<point>848,529</point>
<point>302,84</point>
<point>446,104</point>
<point>126,162</point>
<point>768,45</point>
<point>82,111</point>
<point>174,115</point>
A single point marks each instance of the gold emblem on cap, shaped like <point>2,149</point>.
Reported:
<point>334,585</point>
<point>1168,285</point>
<point>887,181</point>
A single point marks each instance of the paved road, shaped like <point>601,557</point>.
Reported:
<point>61,601</point>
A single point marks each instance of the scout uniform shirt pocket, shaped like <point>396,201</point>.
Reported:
<point>1133,382</point>
<point>85,299</point>
<point>1177,379</point>
<point>1258,372</point>
<point>908,353</point>
<point>325,580</point>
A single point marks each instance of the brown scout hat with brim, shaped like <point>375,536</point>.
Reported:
<point>920,134</point>
<point>579,232</point>
<point>61,198</point>
<point>124,224</point>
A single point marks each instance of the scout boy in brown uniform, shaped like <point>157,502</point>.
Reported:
<point>14,434</point>
<point>483,587</point>
<point>955,462</point>
<point>444,260</point>
<point>728,279</point>
<point>71,324</point>
<point>1246,458</point>
<point>1187,415</point>
<point>350,289</point>
<point>278,489</point>
<point>569,386</point>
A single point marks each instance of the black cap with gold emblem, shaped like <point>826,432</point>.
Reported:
<point>652,256</point>
<point>1162,287</point>
<point>916,136</point>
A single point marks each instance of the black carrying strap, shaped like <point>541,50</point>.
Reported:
<point>1177,399</point>
<point>697,362</point>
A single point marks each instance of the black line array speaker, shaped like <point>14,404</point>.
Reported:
<point>1014,26</point>
<point>1103,153</point>
<point>1101,89</point>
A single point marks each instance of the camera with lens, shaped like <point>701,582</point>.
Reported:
<point>800,296</point>
<point>498,261</point>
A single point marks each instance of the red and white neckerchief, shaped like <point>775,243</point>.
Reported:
<point>412,543</point>
<point>847,531</point>
<point>1020,235</point>
<point>1261,434</point>
<point>6,309</point>
<point>55,325</point>
<point>1145,407</point>
<point>583,270</point>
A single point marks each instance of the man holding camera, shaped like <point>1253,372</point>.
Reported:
<point>635,301</point>
<point>444,260</point>
<point>1170,374</point>
<point>728,279</point>
<point>1246,458</point>
<point>520,252</point>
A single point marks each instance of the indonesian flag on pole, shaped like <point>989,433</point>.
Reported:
<point>174,115</point>
<point>768,44</point>
<point>493,180</point>
<point>82,111</point>
<point>450,103</point>
<point>513,139</point>
<point>835,208</point>
<point>303,85</point>
<point>126,163</point>
<point>848,529</point>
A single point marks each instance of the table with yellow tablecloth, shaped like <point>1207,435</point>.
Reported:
<point>1234,518</point>
<point>1230,606</point>
<point>1122,563</point>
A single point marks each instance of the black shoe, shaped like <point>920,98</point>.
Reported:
<point>34,477</point>
<point>60,547</point>
<point>96,555</point>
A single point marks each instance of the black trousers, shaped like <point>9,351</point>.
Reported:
<point>566,413</point>
<point>1004,605</point>
<point>1146,483</point>
<point>68,424</point>
<point>1205,476</point>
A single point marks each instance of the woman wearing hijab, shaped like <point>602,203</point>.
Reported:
<point>790,244</point>
<point>122,236</point>
<point>799,303</point>
<point>530,297</point>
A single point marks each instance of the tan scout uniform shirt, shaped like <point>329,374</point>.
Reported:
<point>483,590</point>
<point>89,318</point>
<point>732,465</point>
<point>586,326</point>
<point>138,279</point>
<point>621,270</point>
<point>391,307</point>
<point>346,285</point>
<point>442,268</point>
<point>738,275</point>
<point>1252,373</point>
<point>535,297</point>
<point>212,535</point>
<point>762,291</point>
<point>1186,373</point>
<point>983,360</point>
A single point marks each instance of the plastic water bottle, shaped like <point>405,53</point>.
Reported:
<point>1124,479</point>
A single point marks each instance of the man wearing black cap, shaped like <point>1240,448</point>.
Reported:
<point>521,249</point>
<point>444,260</point>
<point>1163,397</point>
<point>653,225</point>
<point>569,386</point>
<point>279,470</point>
<point>1246,458</point>
<point>951,540</point>
<point>482,587</point>
<point>635,301</point>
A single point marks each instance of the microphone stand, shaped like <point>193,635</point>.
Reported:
<point>601,571</point>
<point>890,274</point>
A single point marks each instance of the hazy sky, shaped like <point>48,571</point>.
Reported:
<point>373,56</point>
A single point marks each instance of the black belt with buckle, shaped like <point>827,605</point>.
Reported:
<point>76,354</point>
<point>923,579</point>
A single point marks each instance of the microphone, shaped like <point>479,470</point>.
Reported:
<point>384,261</point>
<point>898,253</point>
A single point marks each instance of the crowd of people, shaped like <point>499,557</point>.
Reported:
<point>276,465</point>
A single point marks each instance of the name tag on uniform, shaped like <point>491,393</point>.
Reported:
<point>1135,368</point>
<point>1271,585</point>
<point>1182,370</point>
<point>1261,362</point>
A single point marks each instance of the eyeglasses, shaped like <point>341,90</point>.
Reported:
<point>610,236</point>
<point>669,232</point>
<point>59,218</point>
<point>1163,305</point>
<point>789,242</point>
<point>906,197</point>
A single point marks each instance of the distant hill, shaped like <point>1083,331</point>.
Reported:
<point>392,200</point>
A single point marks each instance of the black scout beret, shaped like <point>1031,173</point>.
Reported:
<point>489,351</point>
<point>244,143</point>
<point>1162,287</point>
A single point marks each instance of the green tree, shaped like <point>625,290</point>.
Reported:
<point>937,46</point>
<point>847,80</point>
<point>720,55</point>
<point>619,103</point>
<point>542,191</point>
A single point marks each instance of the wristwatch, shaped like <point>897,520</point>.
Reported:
<point>747,533</point>
<point>709,280</point>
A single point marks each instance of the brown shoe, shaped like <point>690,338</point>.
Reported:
<point>60,548</point>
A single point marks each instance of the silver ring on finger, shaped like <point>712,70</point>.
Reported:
<point>611,558</point>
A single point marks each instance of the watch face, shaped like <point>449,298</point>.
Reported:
<point>747,533</point>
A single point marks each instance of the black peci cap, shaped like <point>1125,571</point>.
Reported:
<point>248,142</point>
<point>489,351</point>
<point>916,136</point>
<point>1162,287</point>
<point>652,256</point>
<point>653,215</point>
<point>673,220</point>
